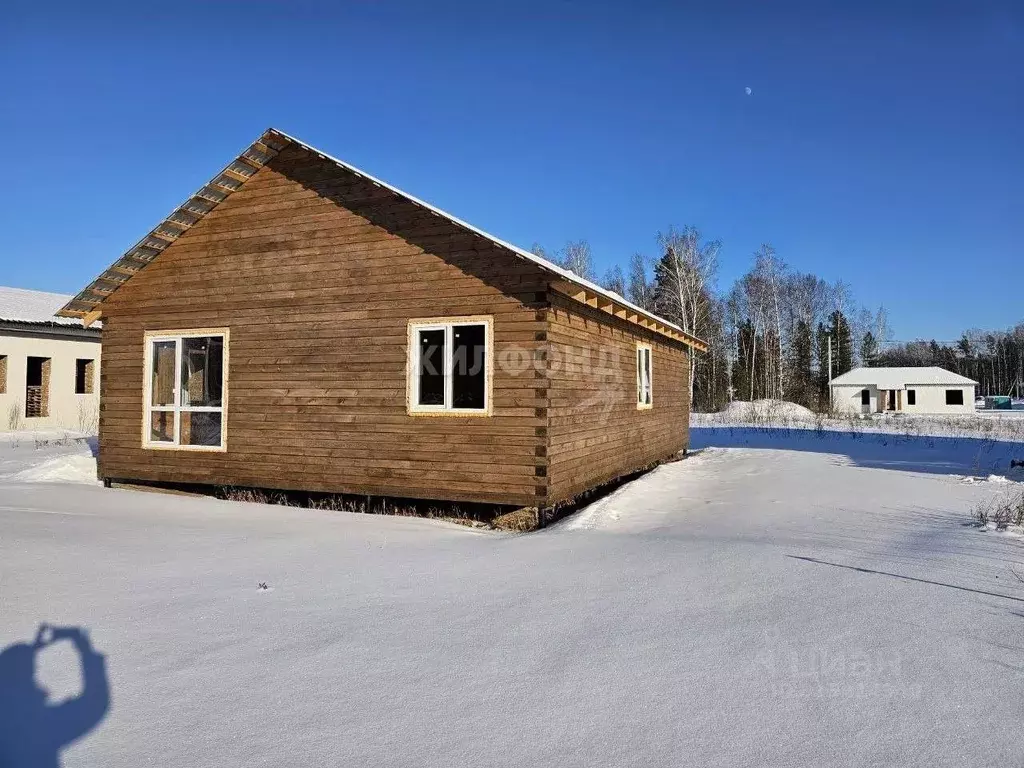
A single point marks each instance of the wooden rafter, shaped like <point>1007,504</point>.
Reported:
<point>210,194</point>
<point>233,174</point>
<point>86,304</point>
<point>624,311</point>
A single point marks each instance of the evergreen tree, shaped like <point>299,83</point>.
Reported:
<point>802,386</point>
<point>669,278</point>
<point>683,294</point>
<point>842,343</point>
<point>869,349</point>
<point>822,378</point>
<point>743,373</point>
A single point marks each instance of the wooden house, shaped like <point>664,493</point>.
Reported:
<point>298,324</point>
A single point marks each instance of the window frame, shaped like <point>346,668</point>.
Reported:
<point>865,397</point>
<point>412,372</point>
<point>960,394</point>
<point>148,409</point>
<point>644,350</point>
<point>912,397</point>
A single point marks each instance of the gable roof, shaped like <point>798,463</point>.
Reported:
<point>86,305</point>
<point>900,378</point>
<point>20,305</point>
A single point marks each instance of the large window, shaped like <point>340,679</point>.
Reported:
<point>450,366</point>
<point>644,395</point>
<point>185,394</point>
<point>954,397</point>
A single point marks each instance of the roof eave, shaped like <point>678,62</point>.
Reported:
<point>35,327</point>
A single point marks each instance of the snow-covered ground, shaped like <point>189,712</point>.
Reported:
<point>752,605</point>
<point>935,454</point>
<point>778,414</point>
<point>47,457</point>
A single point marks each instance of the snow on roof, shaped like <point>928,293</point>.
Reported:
<point>900,378</point>
<point>234,175</point>
<point>23,306</point>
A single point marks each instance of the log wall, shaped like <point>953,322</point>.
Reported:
<point>596,433</point>
<point>303,265</point>
<point>316,273</point>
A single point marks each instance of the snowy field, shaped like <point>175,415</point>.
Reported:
<point>47,457</point>
<point>822,605</point>
<point>778,414</point>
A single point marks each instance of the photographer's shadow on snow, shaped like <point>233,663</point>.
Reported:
<point>34,730</point>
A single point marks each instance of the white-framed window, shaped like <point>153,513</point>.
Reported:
<point>450,362</point>
<point>185,389</point>
<point>644,377</point>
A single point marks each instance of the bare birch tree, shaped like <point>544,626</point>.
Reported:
<point>640,289</point>
<point>576,257</point>
<point>770,279</point>
<point>685,278</point>
<point>615,280</point>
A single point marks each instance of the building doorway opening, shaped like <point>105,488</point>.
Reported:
<point>890,400</point>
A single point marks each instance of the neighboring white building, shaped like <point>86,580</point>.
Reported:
<point>49,366</point>
<point>903,390</point>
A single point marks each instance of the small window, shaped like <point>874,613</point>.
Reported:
<point>449,366</point>
<point>3,374</point>
<point>84,377</point>
<point>911,397</point>
<point>954,397</point>
<point>644,397</point>
<point>185,395</point>
<point>865,397</point>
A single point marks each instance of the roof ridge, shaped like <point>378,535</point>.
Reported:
<point>904,373</point>
<point>32,290</point>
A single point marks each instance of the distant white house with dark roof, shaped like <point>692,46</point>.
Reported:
<point>49,366</point>
<point>903,390</point>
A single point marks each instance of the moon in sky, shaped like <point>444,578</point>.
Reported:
<point>749,90</point>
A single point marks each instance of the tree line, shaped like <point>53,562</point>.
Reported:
<point>776,333</point>
<point>995,359</point>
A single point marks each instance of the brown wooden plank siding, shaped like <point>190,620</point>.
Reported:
<point>316,273</point>
<point>595,431</point>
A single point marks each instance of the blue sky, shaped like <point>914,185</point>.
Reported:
<point>881,145</point>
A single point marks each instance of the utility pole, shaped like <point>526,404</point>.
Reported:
<point>830,357</point>
<point>830,403</point>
